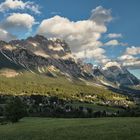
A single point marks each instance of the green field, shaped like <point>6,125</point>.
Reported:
<point>72,129</point>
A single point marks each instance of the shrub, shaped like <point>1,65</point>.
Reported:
<point>15,109</point>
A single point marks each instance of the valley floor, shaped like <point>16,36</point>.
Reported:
<point>72,129</point>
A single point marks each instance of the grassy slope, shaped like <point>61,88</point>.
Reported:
<point>72,129</point>
<point>28,83</point>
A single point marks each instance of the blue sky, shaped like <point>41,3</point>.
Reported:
<point>125,12</point>
<point>125,22</point>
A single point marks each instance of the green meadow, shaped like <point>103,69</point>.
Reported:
<point>72,129</point>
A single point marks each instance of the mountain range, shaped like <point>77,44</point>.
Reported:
<point>53,57</point>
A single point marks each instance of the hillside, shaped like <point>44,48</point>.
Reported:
<point>27,83</point>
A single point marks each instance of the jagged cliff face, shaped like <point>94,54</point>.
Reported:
<point>41,55</point>
<point>38,53</point>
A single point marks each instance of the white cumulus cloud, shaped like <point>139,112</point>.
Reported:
<point>112,43</point>
<point>133,50</point>
<point>18,24</point>
<point>18,20</point>
<point>82,35</point>
<point>126,57</point>
<point>19,4</point>
<point>101,15</point>
<point>130,58</point>
<point>115,42</point>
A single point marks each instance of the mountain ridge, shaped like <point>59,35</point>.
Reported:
<point>46,56</point>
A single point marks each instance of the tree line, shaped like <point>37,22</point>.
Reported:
<point>13,108</point>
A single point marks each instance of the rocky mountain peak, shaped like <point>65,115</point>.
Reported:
<point>116,73</point>
<point>38,52</point>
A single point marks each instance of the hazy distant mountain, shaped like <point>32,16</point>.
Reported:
<point>114,72</point>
